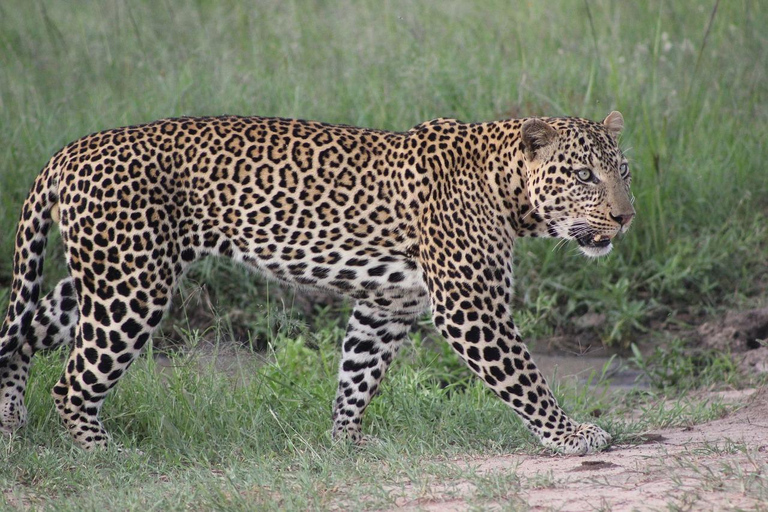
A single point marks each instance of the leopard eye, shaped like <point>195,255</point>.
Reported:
<point>624,169</point>
<point>585,175</point>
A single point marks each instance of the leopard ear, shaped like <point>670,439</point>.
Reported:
<point>537,134</point>
<point>614,122</point>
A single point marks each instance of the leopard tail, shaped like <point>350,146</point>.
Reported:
<point>40,210</point>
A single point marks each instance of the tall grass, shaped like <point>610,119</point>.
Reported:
<point>694,109</point>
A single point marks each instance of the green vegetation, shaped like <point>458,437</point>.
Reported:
<point>675,367</point>
<point>257,435</point>
<point>219,427</point>
<point>692,87</point>
<point>692,97</point>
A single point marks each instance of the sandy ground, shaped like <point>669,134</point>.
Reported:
<point>719,465</point>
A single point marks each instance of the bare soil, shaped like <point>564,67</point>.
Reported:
<point>719,465</point>
<point>740,333</point>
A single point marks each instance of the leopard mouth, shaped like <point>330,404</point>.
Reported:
<point>596,241</point>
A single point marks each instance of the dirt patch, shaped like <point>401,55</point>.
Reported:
<point>741,333</point>
<point>737,331</point>
<point>719,465</point>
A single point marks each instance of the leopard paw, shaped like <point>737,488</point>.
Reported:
<point>13,414</point>
<point>354,436</point>
<point>586,438</point>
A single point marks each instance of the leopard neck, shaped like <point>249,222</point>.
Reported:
<point>503,161</point>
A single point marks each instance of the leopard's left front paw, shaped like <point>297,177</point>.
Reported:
<point>587,438</point>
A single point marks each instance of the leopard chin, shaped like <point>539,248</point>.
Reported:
<point>595,251</point>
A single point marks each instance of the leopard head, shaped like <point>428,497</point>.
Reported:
<point>578,180</point>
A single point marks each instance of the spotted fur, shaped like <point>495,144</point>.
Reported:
<point>400,222</point>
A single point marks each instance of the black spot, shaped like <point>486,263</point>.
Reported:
<point>89,378</point>
<point>100,240</point>
<point>491,354</point>
<point>118,310</point>
<point>141,341</point>
<point>99,389</point>
<point>320,272</point>
<point>117,373</point>
<point>352,366</point>
<point>37,247</point>
<point>123,289</point>
<point>131,328</point>
<point>154,318</point>
<point>91,354</point>
<point>346,274</point>
<point>68,304</point>
<point>105,364</point>
<point>473,335</point>
<point>365,346</point>
<point>100,314</point>
<point>498,373</point>
<point>377,271</point>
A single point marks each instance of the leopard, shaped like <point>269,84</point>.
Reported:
<point>403,224</point>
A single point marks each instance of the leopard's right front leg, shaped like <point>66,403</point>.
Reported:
<point>471,309</point>
<point>496,353</point>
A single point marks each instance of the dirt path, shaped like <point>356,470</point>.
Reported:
<point>720,465</point>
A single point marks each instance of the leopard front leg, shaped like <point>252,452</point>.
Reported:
<point>469,280</point>
<point>489,343</point>
<point>372,340</point>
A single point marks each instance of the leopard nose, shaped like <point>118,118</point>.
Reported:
<point>623,218</point>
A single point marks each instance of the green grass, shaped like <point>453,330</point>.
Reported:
<point>260,431</point>
<point>693,95</point>
<point>258,435</point>
<point>674,367</point>
<point>694,110</point>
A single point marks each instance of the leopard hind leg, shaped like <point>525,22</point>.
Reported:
<point>110,335</point>
<point>52,326</point>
